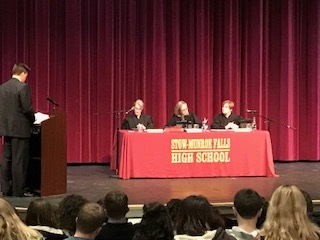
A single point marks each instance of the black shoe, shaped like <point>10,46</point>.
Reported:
<point>28,194</point>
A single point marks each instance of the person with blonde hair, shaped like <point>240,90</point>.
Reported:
<point>181,113</point>
<point>11,226</point>
<point>287,217</point>
<point>137,119</point>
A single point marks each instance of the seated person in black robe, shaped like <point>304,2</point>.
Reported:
<point>226,119</point>
<point>137,118</point>
<point>181,114</point>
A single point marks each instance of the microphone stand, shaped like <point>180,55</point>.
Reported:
<point>118,123</point>
<point>269,120</point>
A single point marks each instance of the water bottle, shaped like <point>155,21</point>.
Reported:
<point>254,123</point>
<point>204,124</point>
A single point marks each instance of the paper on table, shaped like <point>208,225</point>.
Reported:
<point>40,117</point>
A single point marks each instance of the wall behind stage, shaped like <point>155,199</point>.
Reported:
<point>97,57</point>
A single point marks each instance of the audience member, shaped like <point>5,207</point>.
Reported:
<point>262,218</point>
<point>287,216</point>
<point>137,119</point>
<point>181,114</point>
<point>68,211</point>
<point>88,222</point>
<point>313,216</point>
<point>11,226</point>
<point>155,224</point>
<point>247,208</point>
<point>173,208</point>
<point>226,119</point>
<point>117,227</point>
<point>41,217</point>
<point>196,220</point>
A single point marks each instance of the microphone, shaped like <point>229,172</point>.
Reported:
<point>131,109</point>
<point>251,111</point>
<point>52,101</point>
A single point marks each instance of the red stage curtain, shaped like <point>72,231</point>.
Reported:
<point>97,57</point>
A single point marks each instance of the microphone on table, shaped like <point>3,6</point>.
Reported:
<point>251,111</point>
<point>131,109</point>
<point>52,101</point>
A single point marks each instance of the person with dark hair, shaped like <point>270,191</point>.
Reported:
<point>16,119</point>
<point>41,217</point>
<point>173,208</point>
<point>155,224</point>
<point>196,220</point>
<point>226,119</point>
<point>247,208</point>
<point>313,216</point>
<point>88,222</point>
<point>68,211</point>
<point>137,119</point>
<point>181,113</point>
<point>117,226</point>
<point>262,217</point>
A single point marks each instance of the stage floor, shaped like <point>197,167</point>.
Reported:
<point>94,181</point>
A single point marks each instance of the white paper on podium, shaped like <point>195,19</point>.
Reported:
<point>40,117</point>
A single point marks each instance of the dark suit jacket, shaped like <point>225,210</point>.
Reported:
<point>131,121</point>
<point>220,120</point>
<point>192,118</point>
<point>16,111</point>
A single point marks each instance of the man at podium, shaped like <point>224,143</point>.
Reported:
<point>16,118</point>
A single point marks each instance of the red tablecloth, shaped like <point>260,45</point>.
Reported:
<point>207,154</point>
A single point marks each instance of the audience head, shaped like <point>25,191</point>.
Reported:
<point>248,204</point>
<point>11,226</point>
<point>155,223</point>
<point>116,204</point>
<point>227,107</point>
<point>181,109</point>
<point>138,107</point>
<point>68,211</point>
<point>196,216</point>
<point>287,216</point>
<point>308,199</point>
<point>90,218</point>
<point>173,208</point>
<point>40,212</point>
<point>262,217</point>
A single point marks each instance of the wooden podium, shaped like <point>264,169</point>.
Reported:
<point>48,156</point>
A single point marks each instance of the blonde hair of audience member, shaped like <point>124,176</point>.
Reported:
<point>11,226</point>
<point>181,109</point>
<point>287,217</point>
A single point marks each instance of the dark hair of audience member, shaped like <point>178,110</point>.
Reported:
<point>196,216</point>
<point>90,218</point>
<point>41,213</point>
<point>155,224</point>
<point>68,211</point>
<point>263,215</point>
<point>308,200</point>
<point>101,203</point>
<point>173,208</point>
<point>116,204</point>
<point>248,203</point>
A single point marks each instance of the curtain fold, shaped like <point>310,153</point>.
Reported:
<point>96,57</point>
